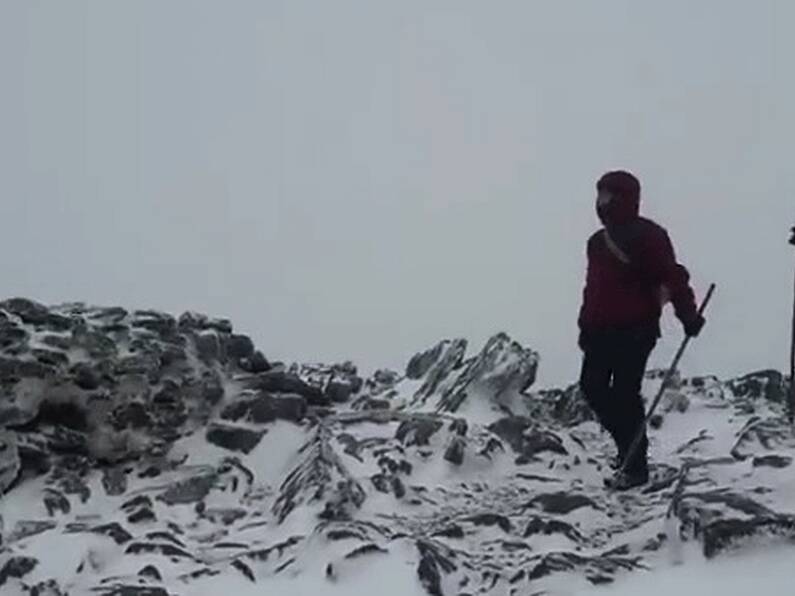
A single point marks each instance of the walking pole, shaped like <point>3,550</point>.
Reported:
<point>792,357</point>
<point>666,379</point>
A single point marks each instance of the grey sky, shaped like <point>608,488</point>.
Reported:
<point>360,179</point>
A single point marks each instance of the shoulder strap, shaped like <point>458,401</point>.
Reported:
<point>616,249</point>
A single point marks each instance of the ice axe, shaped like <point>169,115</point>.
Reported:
<point>666,379</point>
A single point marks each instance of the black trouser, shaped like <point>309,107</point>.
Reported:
<point>612,374</point>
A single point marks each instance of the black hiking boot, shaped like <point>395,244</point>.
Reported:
<point>627,480</point>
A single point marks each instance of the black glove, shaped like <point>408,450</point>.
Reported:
<point>694,326</point>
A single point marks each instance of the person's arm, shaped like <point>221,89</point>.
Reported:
<point>661,264</point>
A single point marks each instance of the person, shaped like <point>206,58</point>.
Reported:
<point>632,273</point>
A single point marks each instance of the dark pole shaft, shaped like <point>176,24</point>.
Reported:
<point>792,367</point>
<point>666,379</point>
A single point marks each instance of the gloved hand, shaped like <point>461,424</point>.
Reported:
<point>694,326</point>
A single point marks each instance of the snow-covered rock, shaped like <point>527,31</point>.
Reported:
<point>148,454</point>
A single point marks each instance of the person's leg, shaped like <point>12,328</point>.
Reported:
<point>595,380</point>
<point>632,355</point>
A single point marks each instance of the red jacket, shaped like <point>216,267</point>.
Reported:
<point>627,285</point>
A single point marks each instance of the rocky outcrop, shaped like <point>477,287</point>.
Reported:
<point>166,455</point>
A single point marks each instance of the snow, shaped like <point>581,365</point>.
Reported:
<point>763,573</point>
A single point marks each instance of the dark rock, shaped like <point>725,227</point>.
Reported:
<point>239,347</point>
<point>124,590</point>
<point>142,515</point>
<point>417,430</point>
<point>196,321</point>
<point>281,382</point>
<point>450,359</point>
<point>85,376</point>
<point>17,567</point>
<point>114,481</point>
<point>656,421</point>
<point>491,519</point>
<point>224,516</point>
<point>26,529</point>
<point>191,490</point>
<point>244,569</point>
<point>266,408</point>
<point>35,314</point>
<point>455,451</point>
<point>167,550</point>
<point>421,363</point>
<point>723,534</point>
<point>50,357</point>
<point>772,461</point>
<point>47,588</point>
<point>598,570</point>
<point>160,323</point>
<point>452,531</point>
<point>366,549</point>
<point>12,369</point>
<point>432,564</point>
<point>547,527</point>
<point>256,363</point>
<point>131,415</point>
<point>208,347</point>
<point>11,336</point>
<point>561,503</point>
<point>338,391</point>
<point>525,439</point>
<point>234,438</point>
<point>136,502</point>
<point>114,531</point>
<point>98,345</point>
<point>151,572</point>
<point>766,384</point>
<point>57,341</point>
<point>55,502</point>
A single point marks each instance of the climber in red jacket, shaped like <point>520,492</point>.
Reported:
<point>632,273</point>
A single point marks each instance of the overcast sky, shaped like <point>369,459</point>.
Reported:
<point>361,179</point>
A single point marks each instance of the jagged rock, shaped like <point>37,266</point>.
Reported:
<point>491,519</point>
<point>417,430</point>
<point>281,382</point>
<point>234,438</point>
<point>338,391</point>
<point>114,531</point>
<point>548,527</point>
<point>17,567</point>
<point>724,534</point>
<point>50,358</point>
<point>12,338</point>
<point>165,549</point>
<point>131,415</point>
<point>256,363</point>
<point>36,314</point>
<point>245,570</point>
<point>772,461</point>
<point>421,363</point>
<point>196,321</point>
<point>142,515</point>
<point>47,588</point>
<point>85,376</point>
<point>151,572</point>
<point>431,566</point>
<point>130,590</point>
<point>561,503</point>
<point>455,451</point>
<point>450,358</point>
<point>598,570</point>
<point>13,369</point>
<point>26,529</point>
<point>114,481</point>
<point>239,346</point>
<point>503,367</point>
<point>320,475</point>
<point>766,384</point>
<point>208,347</point>
<point>266,408</point>
<point>189,491</point>
<point>10,463</point>
<point>762,435</point>
<point>526,439</point>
